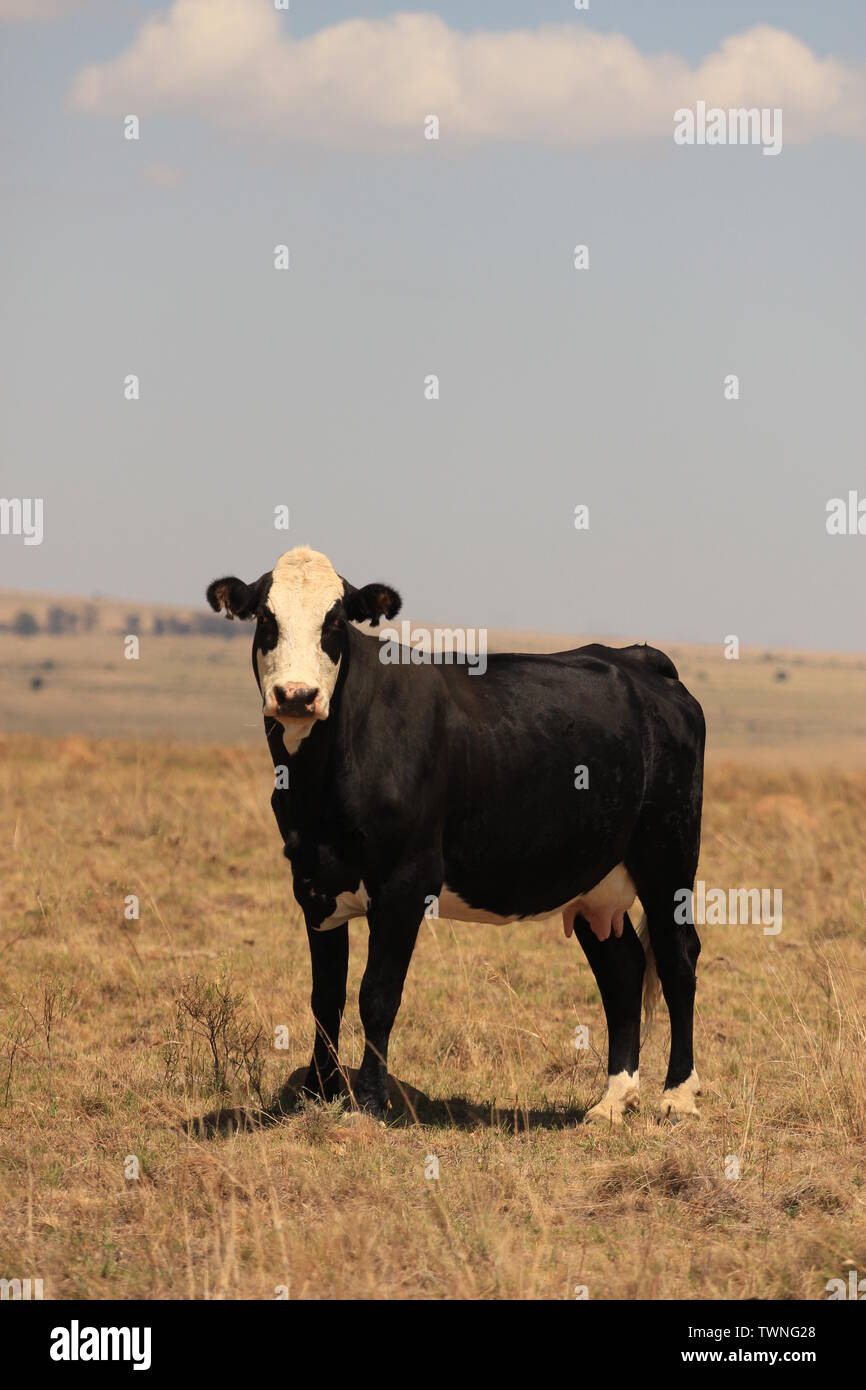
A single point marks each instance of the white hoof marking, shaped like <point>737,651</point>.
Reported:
<point>680,1100</point>
<point>622,1094</point>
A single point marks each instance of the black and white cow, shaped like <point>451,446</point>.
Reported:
<point>415,782</point>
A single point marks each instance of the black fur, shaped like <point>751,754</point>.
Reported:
<point>237,599</point>
<point>371,603</point>
<point>424,775</point>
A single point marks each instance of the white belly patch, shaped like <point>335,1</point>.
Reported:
<point>602,906</point>
<point>349,905</point>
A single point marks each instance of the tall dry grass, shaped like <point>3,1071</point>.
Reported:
<point>104,1056</point>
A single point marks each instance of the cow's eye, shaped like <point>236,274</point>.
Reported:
<point>267,624</point>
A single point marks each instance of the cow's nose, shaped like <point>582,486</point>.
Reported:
<point>295,699</point>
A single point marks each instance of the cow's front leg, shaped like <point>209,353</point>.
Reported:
<point>395,914</point>
<point>329,953</point>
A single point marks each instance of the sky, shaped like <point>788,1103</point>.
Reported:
<point>410,257</point>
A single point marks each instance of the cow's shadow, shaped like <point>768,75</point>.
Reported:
<point>407,1106</point>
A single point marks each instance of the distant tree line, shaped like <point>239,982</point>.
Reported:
<point>62,621</point>
<point>199,625</point>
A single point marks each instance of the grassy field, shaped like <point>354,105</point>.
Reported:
<point>103,1054</point>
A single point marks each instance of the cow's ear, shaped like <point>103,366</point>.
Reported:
<point>371,603</point>
<point>235,598</point>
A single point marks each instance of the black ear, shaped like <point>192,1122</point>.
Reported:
<point>371,603</point>
<point>237,599</point>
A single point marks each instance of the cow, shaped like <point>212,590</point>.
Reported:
<point>412,784</point>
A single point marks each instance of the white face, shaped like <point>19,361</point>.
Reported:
<point>297,675</point>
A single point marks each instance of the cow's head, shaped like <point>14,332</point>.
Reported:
<point>301,608</point>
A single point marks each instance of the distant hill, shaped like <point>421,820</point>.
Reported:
<point>68,673</point>
<point>59,615</point>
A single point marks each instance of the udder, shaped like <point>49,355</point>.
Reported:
<point>604,906</point>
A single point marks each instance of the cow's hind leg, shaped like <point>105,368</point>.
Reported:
<point>676,954</point>
<point>676,948</point>
<point>618,966</point>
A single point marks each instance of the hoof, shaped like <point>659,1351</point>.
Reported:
<point>622,1095</point>
<point>679,1101</point>
<point>370,1107</point>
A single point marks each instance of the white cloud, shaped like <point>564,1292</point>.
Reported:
<point>370,83</point>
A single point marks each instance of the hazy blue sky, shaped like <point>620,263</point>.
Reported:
<point>454,257</point>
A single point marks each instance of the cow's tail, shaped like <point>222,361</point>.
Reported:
<point>651,983</point>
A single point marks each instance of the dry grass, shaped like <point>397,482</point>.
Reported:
<point>101,1058</point>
